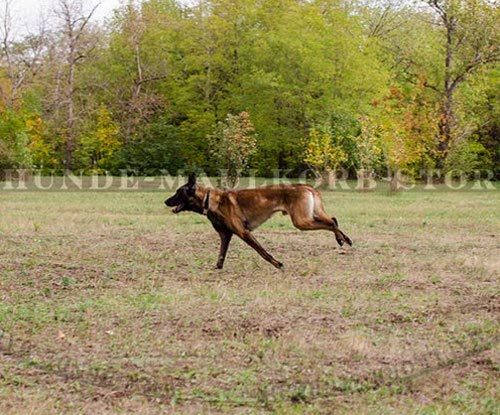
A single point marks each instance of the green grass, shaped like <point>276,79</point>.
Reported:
<point>109,303</point>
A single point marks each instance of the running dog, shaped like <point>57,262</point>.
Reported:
<point>241,211</point>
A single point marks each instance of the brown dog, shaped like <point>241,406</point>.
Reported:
<point>241,211</point>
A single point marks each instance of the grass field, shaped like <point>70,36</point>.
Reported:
<point>109,303</point>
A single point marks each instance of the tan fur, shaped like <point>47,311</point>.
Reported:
<point>240,212</point>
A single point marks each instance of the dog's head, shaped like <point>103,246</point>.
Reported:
<point>185,198</point>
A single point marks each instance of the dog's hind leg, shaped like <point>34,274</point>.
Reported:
<point>225,238</point>
<point>333,224</point>
<point>321,216</point>
<point>310,215</point>
<point>322,222</point>
<point>345,237</point>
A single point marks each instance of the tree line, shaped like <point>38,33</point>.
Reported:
<point>361,85</point>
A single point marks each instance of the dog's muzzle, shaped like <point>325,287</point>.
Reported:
<point>175,208</point>
<point>178,208</point>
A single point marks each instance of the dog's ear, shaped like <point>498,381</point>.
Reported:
<point>192,180</point>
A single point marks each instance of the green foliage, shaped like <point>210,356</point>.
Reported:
<point>41,149</point>
<point>162,73</point>
<point>100,143</point>
<point>369,146</point>
<point>324,153</point>
<point>408,129</point>
<point>232,144</point>
<point>346,127</point>
<point>154,149</point>
<point>479,109</point>
<point>14,140</point>
<point>466,156</point>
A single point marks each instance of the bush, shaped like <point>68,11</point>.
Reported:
<point>152,151</point>
<point>232,144</point>
<point>467,155</point>
<point>14,141</point>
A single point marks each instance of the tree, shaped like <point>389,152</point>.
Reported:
<point>42,152</point>
<point>142,70</point>
<point>471,38</point>
<point>479,110</point>
<point>233,143</point>
<point>19,59</point>
<point>14,141</point>
<point>100,143</point>
<point>417,83</point>
<point>408,130</point>
<point>324,153</point>
<point>369,150</point>
<point>74,22</point>
<point>137,46</point>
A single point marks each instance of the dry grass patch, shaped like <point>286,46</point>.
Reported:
<point>111,304</point>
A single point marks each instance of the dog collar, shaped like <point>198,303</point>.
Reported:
<point>206,202</point>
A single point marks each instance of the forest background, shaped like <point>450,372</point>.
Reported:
<point>368,85</point>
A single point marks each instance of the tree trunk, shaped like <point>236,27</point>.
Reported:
<point>395,180</point>
<point>74,23</point>
<point>447,109</point>
<point>327,179</point>
<point>68,162</point>
<point>366,181</point>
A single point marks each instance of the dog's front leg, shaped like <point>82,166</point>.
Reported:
<point>225,238</point>
<point>250,240</point>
